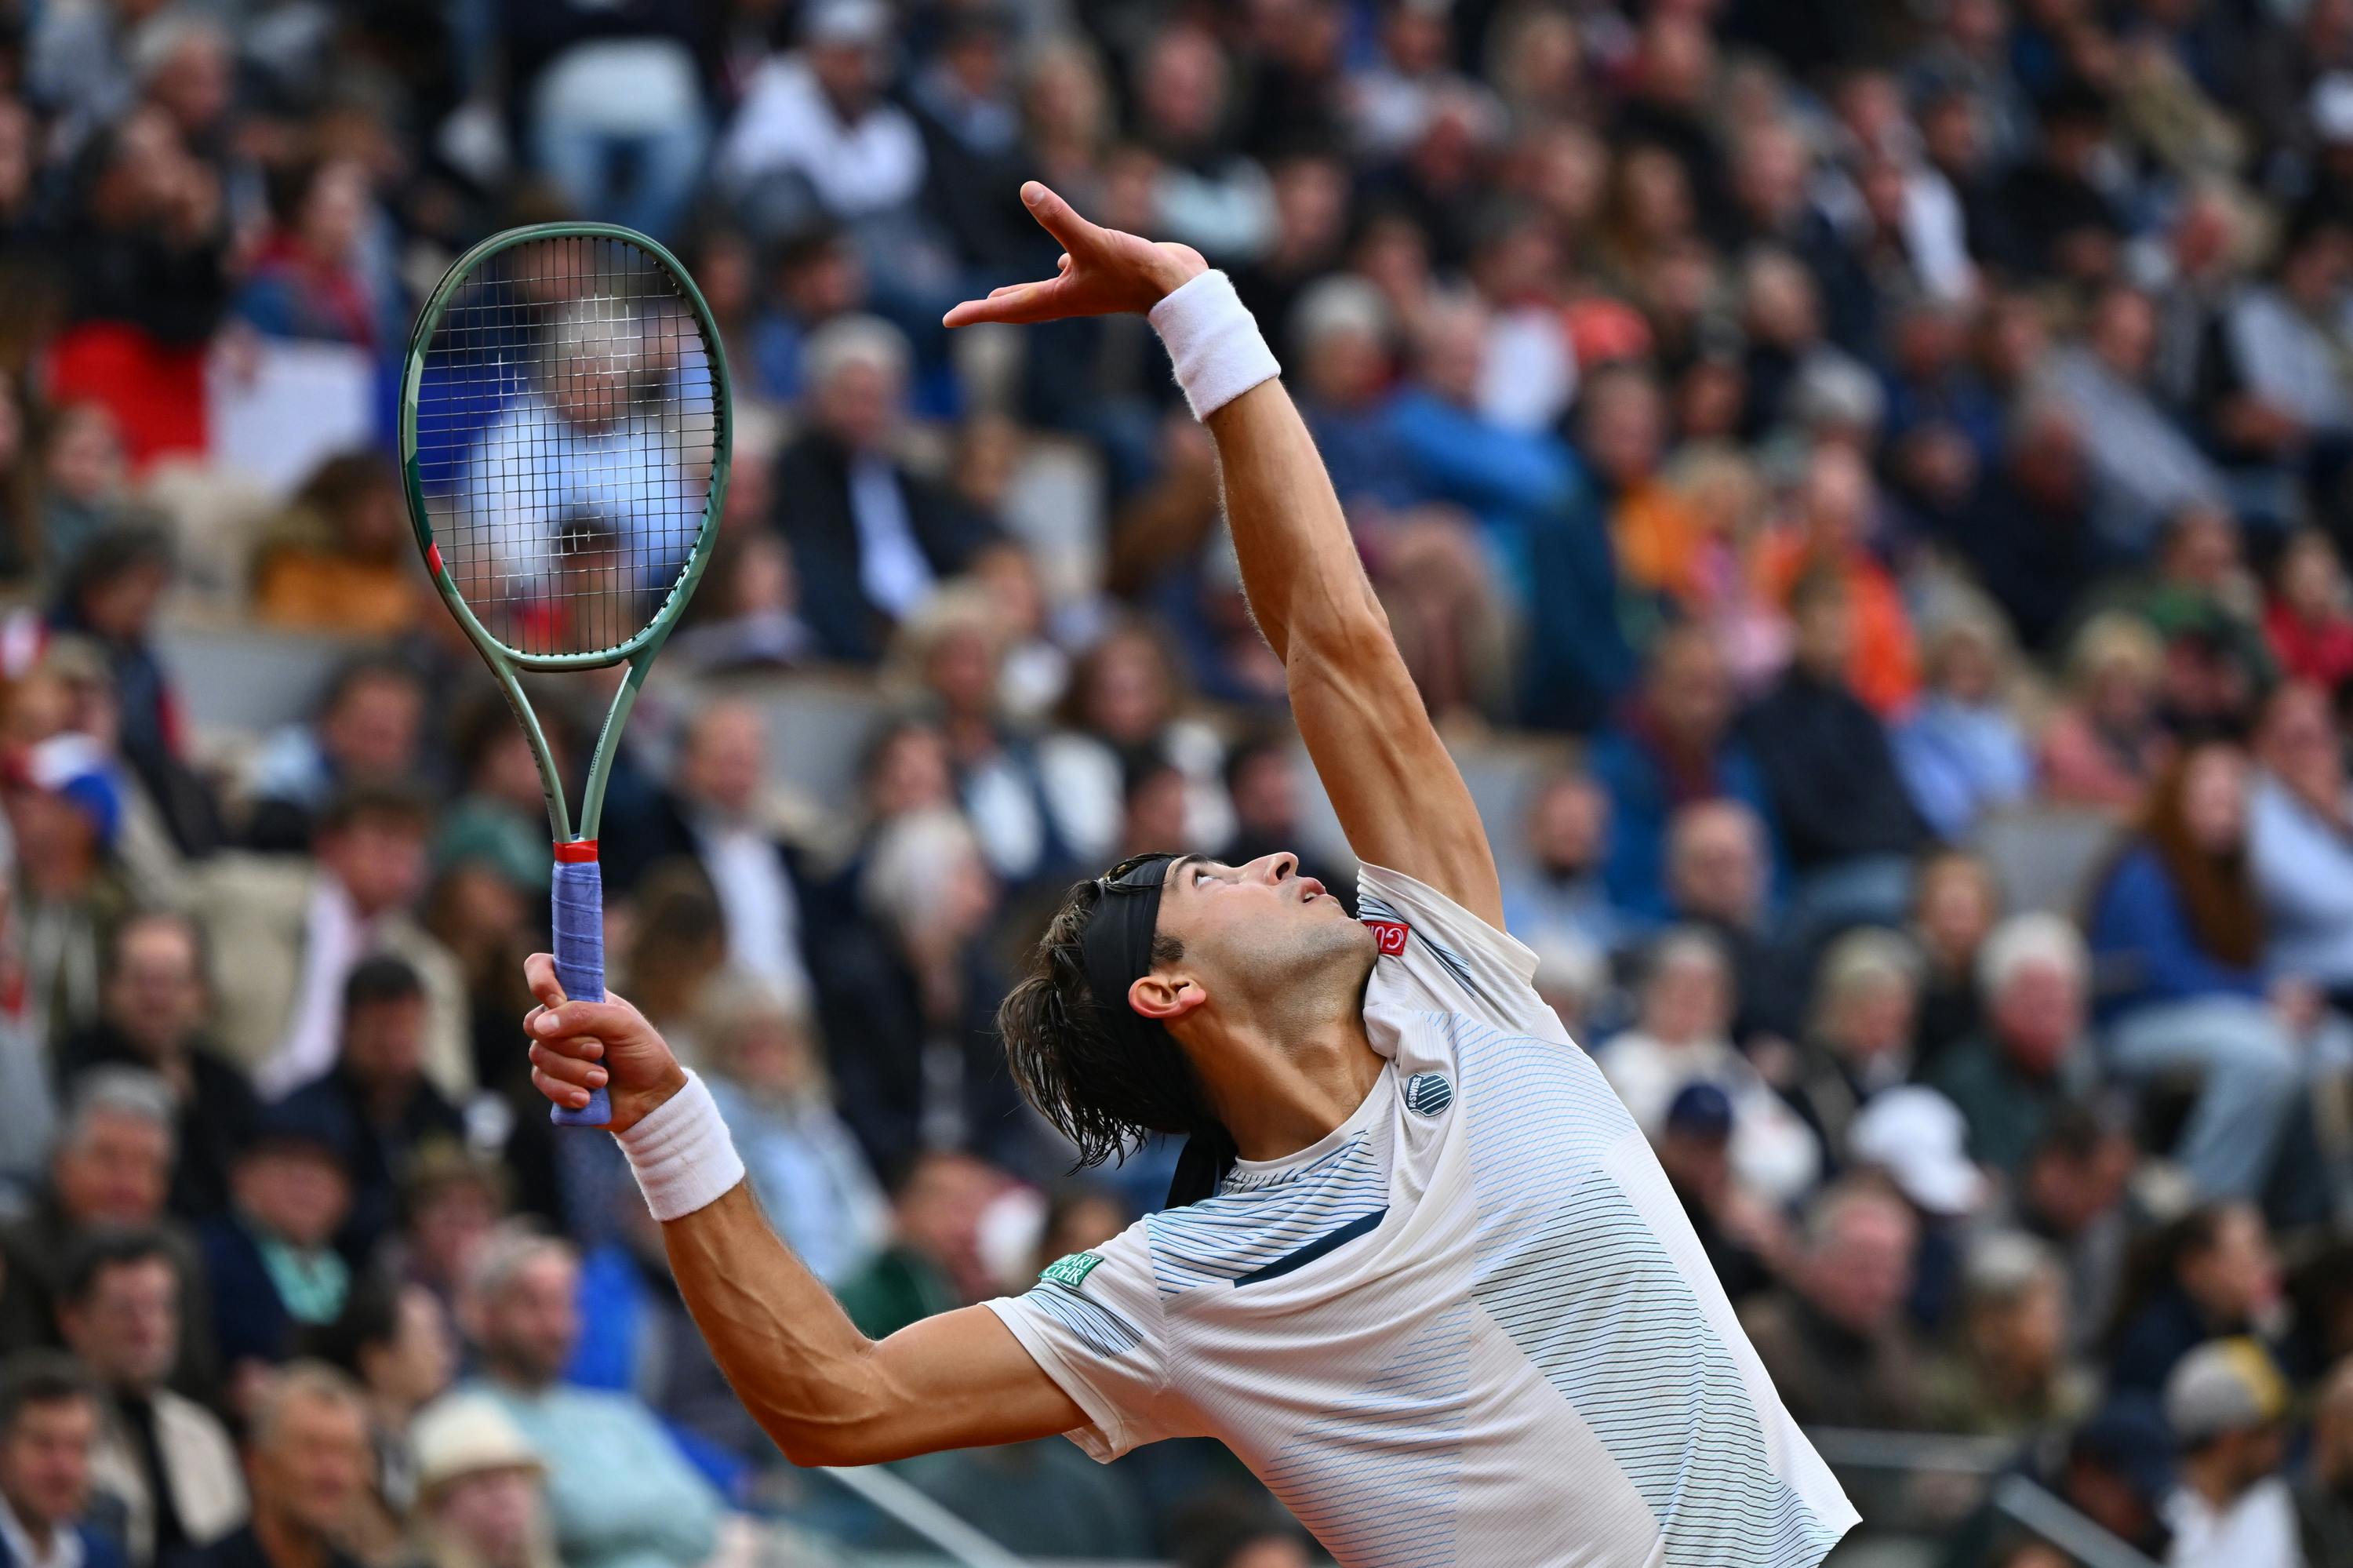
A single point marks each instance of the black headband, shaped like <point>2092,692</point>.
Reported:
<point>1118,952</point>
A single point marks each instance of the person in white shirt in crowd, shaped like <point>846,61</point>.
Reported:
<point>2227,1404</point>
<point>720,790</point>
<point>284,933</point>
<point>817,136</point>
<point>1681,1037</point>
<point>48,1432</point>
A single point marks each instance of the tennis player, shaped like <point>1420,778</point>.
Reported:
<point>1432,1286</point>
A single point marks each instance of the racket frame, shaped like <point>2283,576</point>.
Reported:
<point>637,651</point>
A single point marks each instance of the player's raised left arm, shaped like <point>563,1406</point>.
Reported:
<point>1400,797</point>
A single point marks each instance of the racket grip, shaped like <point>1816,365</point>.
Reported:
<point>579,919</point>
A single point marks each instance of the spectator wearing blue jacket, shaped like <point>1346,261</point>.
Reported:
<point>1543,533</point>
<point>1674,747</point>
<point>2176,940</point>
<point>49,1422</point>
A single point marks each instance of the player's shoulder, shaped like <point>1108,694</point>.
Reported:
<point>1436,955</point>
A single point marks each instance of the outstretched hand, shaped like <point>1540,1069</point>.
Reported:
<point>577,1046</point>
<point>1102,271</point>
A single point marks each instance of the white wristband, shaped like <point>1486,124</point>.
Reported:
<point>1213,342</point>
<point>681,1154</point>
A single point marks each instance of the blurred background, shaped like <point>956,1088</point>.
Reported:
<point>1862,485</point>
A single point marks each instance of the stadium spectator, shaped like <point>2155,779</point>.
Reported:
<point>812,1178</point>
<point>49,1433</point>
<point>307,1463</point>
<point>715,814</point>
<point>1674,747</point>
<point>1829,775</point>
<point>2011,1376</point>
<point>366,734</point>
<point>2308,621</point>
<point>2209,1275</point>
<point>1745,1237</point>
<point>394,1342</point>
<point>163,1460</point>
<point>2176,932</point>
<point>1836,1335</point>
<point>271,1258</point>
<point>482,1502</point>
<point>1955,906</point>
<point>2145,468</point>
<point>111,1168</point>
<point>2104,747</point>
<point>1858,1040</point>
<point>933,1262</point>
<point>869,539</point>
<point>621,1494</point>
<point>1679,1039</point>
<point>296,927</point>
<point>450,1200</point>
<point>2226,1402</point>
<point>2033,1057</point>
<point>1562,900</point>
<point>910,993</point>
<point>375,1104</point>
<point>1719,879</point>
<point>337,559</point>
<point>1962,752</point>
<point>153,1017</point>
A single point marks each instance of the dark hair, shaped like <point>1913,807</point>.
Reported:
<point>367,669</point>
<point>114,1246</point>
<point>2153,1265</point>
<point>371,1316</point>
<point>407,803</point>
<point>41,1377</point>
<point>2217,892</point>
<point>1101,1093</point>
<point>381,978</point>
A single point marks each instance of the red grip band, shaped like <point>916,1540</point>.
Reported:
<point>433,558</point>
<point>579,852</point>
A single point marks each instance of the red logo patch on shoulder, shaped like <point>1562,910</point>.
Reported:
<point>1390,934</point>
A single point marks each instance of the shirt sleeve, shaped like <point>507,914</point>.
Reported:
<point>1092,1323</point>
<point>1452,954</point>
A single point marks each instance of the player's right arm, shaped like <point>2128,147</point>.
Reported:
<point>825,1393</point>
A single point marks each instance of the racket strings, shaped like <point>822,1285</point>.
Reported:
<point>567,428</point>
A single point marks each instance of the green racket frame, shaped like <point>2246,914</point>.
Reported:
<point>575,842</point>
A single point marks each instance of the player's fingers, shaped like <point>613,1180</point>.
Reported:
<point>548,1062</point>
<point>604,1020</point>
<point>539,973</point>
<point>562,1093</point>
<point>1057,217</point>
<point>1062,262</point>
<point>1021,303</point>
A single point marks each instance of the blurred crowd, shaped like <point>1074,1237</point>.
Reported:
<point>1864,487</point>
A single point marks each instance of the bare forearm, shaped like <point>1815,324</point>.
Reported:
<point>792,1355</point>
<point>1300,568</point>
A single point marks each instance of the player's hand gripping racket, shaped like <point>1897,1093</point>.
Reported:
<point>565,431</point>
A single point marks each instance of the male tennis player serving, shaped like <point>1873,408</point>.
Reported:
<point>1444,1302</point>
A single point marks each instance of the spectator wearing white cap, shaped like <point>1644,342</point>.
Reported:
<point>2225,1402</point>
<point>2027,1061</point>
<point>481,1497</point>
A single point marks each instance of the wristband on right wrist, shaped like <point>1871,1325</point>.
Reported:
<point>681,1154</point>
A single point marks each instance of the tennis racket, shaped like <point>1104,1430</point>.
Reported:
<point>564,430</point>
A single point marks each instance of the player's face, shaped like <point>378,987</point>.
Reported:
<point>1259,924</point>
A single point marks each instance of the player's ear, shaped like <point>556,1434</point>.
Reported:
<point>1166,996</point>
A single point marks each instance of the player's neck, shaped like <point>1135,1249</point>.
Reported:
<point>1278,1094</point>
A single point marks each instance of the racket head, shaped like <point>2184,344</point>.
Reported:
<point>565,433</point>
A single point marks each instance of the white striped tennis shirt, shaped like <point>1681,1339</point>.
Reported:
<point>1468,1327</point>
